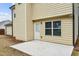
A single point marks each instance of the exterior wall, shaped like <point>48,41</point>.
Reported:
<point>22,24</point>
<point>25,13</point>
<point>19,22</point>
<point>8,30</point>
<point>66,31</point>
<point>45,10</point>
<point>51,10</point>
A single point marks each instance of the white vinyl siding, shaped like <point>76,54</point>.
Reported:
<point>9,30</point>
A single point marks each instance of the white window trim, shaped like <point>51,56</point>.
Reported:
<point>52,26</point>
<point>55,28</point>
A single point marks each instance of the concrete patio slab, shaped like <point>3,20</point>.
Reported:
<point>40,48</point>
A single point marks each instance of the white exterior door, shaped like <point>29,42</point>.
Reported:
<point>37,31</point>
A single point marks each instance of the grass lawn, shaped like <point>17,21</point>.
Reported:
<point>75,53</point>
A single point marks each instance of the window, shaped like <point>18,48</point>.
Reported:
<point>48,28</point>
<point>14,15</point>
<point>57,28</point>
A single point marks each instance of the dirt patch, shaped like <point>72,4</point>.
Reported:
<point>5,50</point>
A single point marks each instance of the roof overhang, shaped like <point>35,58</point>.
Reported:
<point>66,15</point>
<point>8,25</point>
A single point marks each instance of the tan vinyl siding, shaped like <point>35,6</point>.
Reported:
<point>29,22</point>
<point>19,22</point>
<point>22,23</point>
<point>66,32</point>
<point>23,28</point>
<point>44,10</point>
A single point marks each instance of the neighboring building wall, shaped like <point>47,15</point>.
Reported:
<point>3,23</point>
<point>44,10</point>
<point>8,30</point>
<point>19,22</point>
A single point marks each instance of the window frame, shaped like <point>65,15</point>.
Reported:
<point>52,29</point>
<point>56,28</point>
<point>48,28</point>
<point>14,15</point>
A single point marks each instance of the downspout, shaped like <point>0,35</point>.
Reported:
<point>12,22</point>
<point>11,8</point>
<point>73,16</point>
